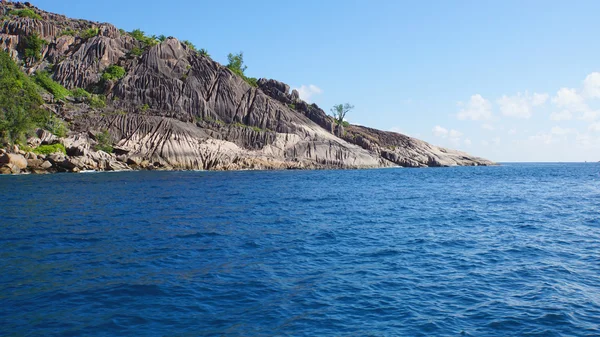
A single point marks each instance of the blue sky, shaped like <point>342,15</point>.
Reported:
<point>506,80</point>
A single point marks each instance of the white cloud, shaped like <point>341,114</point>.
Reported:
<point>591,85</point>
<point>589,115</point>
<point>564,115</point>
<point>307,91</point>
<point>569,99</point>
<point>478,108</point>
<point>468,142</point>
<point>512,131</point>
<point>539,99</point>
<point>487,127</point>
<point>485,143</point>
<point>440,131</point>
<point>542,137</point>
<point>594,127</point>
<point>521,105</point>
<point>455,134</point>
<point>572,102</point>
<point>496,140</point>
<point>557,130</point>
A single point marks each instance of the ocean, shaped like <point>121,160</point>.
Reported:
<point>512,250</point>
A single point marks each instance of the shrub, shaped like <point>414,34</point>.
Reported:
<point>137,51</point>
<point>43,79</point>
<point>104,142</point>
<point>97,101</point>
<point>253,81</point>
<point>113,72</point>
<point>345,124</point>
<point>90,33</point>
<point>162,38</point>
<point>25,13</point>
<point>81,93</point>
<point>190,45</point>
<point>144,108</point>
<point>204,52</point>
<point>49,149</point>
<point>20,102</point>
<point>236,64</point>
<point>68,32</point>
<point>147,41</point>
<point>33,47</point>
<point>292,106</point>
<point>56,126</point>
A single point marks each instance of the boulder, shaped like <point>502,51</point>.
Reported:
<point>14,159</point>
<point>10,169</point>
<point>46,137</point>
<point>46,165</point>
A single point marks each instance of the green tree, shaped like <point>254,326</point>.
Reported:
<point>33,47</point>
<point>104,142</point>
<point>204,52</point>
<point>190,45</point>
<point>162,38</point>
<point>20,102</point>
<point>113,72</point>
<point>339,112</point>
<point>236,63</point>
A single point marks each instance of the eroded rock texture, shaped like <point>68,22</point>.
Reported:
<point>177,109</point>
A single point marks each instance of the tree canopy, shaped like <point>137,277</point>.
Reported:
<point>20,102</point>
<point>236,63</point>
<point>339,112</point>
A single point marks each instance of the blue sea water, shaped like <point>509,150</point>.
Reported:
<point>512,250</point>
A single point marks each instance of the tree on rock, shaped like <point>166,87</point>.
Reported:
<point>236,63</point>
<point>339,112</point>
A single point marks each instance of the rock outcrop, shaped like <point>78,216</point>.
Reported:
<point>177,109</point>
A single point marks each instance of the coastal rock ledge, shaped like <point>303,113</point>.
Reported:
<point>174,108</point>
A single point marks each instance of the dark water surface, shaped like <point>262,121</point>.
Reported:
<point>497,251</point>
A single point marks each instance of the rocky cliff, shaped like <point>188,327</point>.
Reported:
<point>174,108</point>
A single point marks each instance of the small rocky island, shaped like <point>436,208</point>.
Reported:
<point>78,95</point>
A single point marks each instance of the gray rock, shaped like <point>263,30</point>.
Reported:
<point>179,110</point>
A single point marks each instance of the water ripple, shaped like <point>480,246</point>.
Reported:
<point>498,251</point>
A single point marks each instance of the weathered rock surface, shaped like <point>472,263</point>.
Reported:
<point>177,109</point>
<point>13,159</point>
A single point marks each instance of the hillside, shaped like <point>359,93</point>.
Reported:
<point>158,103</point>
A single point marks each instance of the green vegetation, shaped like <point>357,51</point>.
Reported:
<point>161,38</point>
<point>97,102</point>
<point>43,79</point>
<point>104,142</point>
<point>236,64</point>
<point>20,102</point>
<point>292,106</point>
<point>81,93</point>
<point>204,52</point>
<point>33,47</point>
<point>56,126</point>
<point>68,32</point>
<point>137,51</point>
<point>50,149</point>
<point>190,45</point>
<point>25,13</point>
<point>113,72</point>
<point>147,41</point>
<point>90,33</point>
<point>339,112</point>
<point>345,124</point>
<point>144,108</point>
<point>254,128</point>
